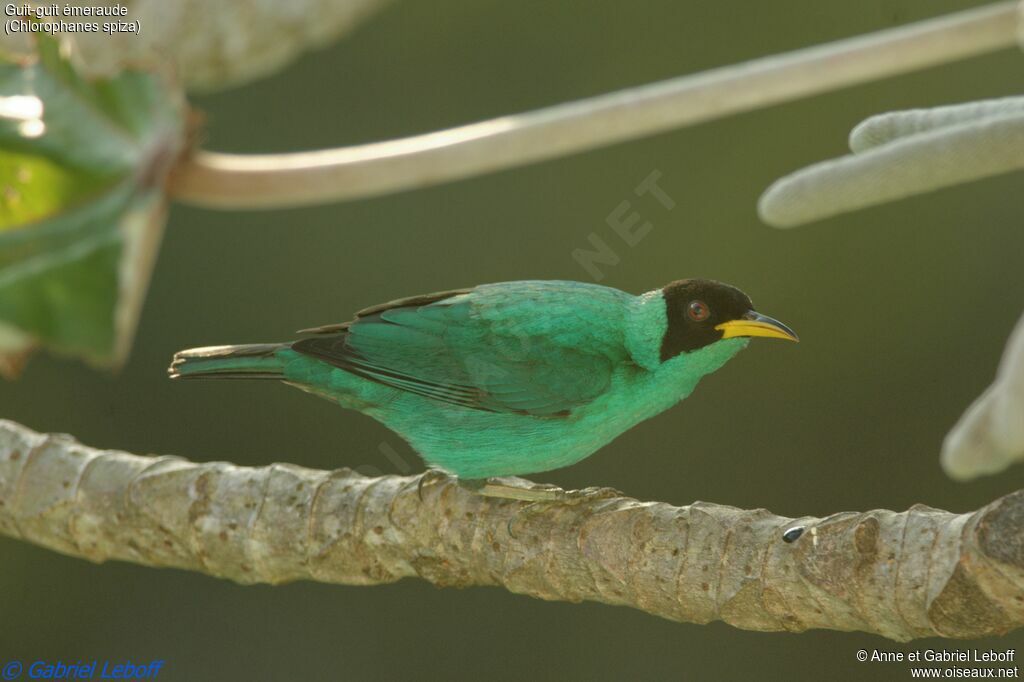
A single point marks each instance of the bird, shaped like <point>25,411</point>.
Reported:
<point>511,378</point>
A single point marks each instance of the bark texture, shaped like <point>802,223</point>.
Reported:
<point>923,572</point>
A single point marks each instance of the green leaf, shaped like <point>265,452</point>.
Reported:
<point>82,168</point>
<point>33,187</point>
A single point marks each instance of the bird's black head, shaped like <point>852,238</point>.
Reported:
<point>702,311</point>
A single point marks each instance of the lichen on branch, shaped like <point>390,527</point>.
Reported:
<point>923,572</point>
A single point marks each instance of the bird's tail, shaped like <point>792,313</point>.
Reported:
<point>246,361</point>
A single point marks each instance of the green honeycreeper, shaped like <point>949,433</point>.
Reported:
<point>510,378</point>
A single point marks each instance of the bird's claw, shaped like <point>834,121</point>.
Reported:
<point>539,496</point>
<point>527,491</point>
<point>428,478</point>
<point>514,489</point>
<point>560,496</point>
<point>591,494</point>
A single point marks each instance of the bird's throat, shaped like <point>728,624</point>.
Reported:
<point>678,376</point>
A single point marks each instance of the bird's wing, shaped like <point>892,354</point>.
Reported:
<point>408,302</point>
<point>538,348</point>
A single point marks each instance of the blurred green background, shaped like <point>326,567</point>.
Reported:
<point>903,311</point>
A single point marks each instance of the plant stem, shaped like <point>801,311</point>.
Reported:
<point>229,181</point>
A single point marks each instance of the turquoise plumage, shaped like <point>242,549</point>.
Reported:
<point>510,378</point>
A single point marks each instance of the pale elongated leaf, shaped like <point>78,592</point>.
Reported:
<point>990,434</point>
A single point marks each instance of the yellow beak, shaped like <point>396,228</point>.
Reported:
<point>756,324</point>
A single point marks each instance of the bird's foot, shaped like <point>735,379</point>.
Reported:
<point>428,478</point>
<point>527,491</point>
<point>539,495</point>
<point>592,494</point>
<point>511,488</point>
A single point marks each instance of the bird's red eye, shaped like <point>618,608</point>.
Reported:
<point>698,311</point>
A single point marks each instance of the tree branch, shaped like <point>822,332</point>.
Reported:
<point>919,573</point>
<point>230,181</point>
